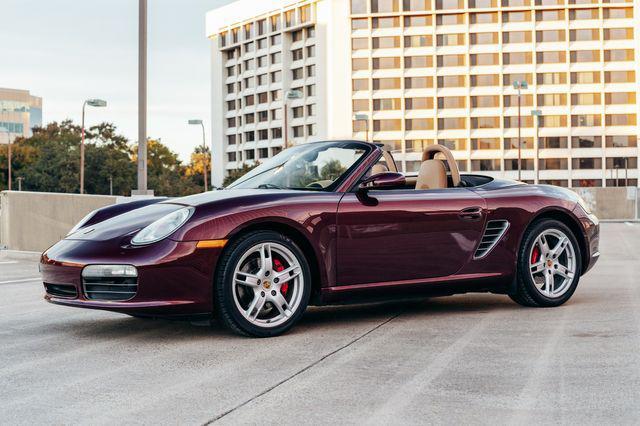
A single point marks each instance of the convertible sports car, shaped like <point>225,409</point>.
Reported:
<point>325,223</point>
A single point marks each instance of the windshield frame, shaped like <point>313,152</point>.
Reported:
<point>284,156</point>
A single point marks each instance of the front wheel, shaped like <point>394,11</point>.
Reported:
<point>549,265</point>
<point>263,284</point>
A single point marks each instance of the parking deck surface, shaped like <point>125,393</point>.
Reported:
<point>475,358</point>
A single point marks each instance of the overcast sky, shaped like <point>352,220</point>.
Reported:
<point>69,50</point>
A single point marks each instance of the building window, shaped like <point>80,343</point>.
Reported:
<point>416,5</point>
<point>418,41</point>
<point>552,57</point>
<point>360,24</point>
<point>585,99</point>
<point>509,79</point>
<point>419,124</point>
<point>584,35</point>
<point>386,83</point>
<point>579,14</point>
<point>386,42</point>
<point>485,80</point>
<point>621,141</point>
<point>454,144</point>
<point>387,125</point>
<point>552,99</point>
<point>392,22</point>
<point>553,164</point>
<point>485,122</point>
<point>550,36</point>
<point>416,82</point>
<point>386,104</point>
<point>618,55</point>
<point>311,70</point>
<point>386,63</point>
<point>512,37</point>
<point>549,15</point>
<point>418,61</point>
<point>451,102</point>
<point>553,142</point>
<point>484,59</point>
<point>584,56</point>
<point>620,98</point>
<point>484,18</point>
<point>450,39</point>
<point>618,13</point>
<point>231,157</point>
<point>512,122</point>
<point>485,165</point>
<point>485,143</point>
<point>311,129</point>
<point>276,133</point>
<point>418,21</point>
<point>359,6</point>
<point>450,19</point>
<point>620,119</point>
<point>297,55</point>
<point>516,58</point>
<point>512,164</point>
<point>512,143</point>
<point>418,103</point>
<point>263,135</point>
<point>449,4</point>
<point>619,76</point>
<point>483,38</point>
<point>360,43</point>
<point>297,74</point>
<point>311,51</point>
<point>311,90</point>
<point>311,110</point>
<point>311,32</point>
<point>552,121</point>
<point>586,142</point>
<point>452,123</point>
<point>516,16</point>
<point>276,58</point>
<point>486,101</point>
<point>451,60</point>
<point>275,23</point>
<point>298,131</point>
<point>384,6</point>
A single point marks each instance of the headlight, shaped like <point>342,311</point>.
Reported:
<point>82,222</point>
<point>163,227</point>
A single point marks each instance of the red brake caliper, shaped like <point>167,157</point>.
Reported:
<point>279,267</point>
<point>535,255</point>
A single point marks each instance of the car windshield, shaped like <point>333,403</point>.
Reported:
<point>315,166</point>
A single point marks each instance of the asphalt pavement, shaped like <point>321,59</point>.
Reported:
<point>476,358</point>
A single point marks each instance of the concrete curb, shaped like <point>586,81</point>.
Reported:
<point>33,256</point>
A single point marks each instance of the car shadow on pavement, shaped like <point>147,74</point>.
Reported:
<point>325,318</point>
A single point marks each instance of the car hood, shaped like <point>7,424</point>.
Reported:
<point>125,225</point>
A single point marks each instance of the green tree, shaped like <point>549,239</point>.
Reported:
<point>236,174</point>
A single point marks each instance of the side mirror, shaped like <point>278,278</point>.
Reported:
<point>383,180</point>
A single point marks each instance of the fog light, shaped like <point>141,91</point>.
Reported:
<point>107,271</point>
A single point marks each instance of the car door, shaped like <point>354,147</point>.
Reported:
<point>400,235</point>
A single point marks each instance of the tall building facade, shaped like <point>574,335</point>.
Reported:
<point>19,113</point>
<point>421,72</point>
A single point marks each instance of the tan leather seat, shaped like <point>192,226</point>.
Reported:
<point>378,168</point>
<point>433,175</point>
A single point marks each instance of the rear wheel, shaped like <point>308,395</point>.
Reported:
<point>263,284</point>
<point>549,265</point>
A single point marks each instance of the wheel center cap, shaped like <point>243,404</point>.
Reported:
<point>266,284</point>
<point>549,263</point>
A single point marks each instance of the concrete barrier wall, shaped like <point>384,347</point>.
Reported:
<point>33,221</point>
<point>612,203</point>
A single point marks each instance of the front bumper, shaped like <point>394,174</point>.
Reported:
<point>174,278</point>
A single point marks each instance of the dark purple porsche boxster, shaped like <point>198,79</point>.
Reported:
<point>325,223</point>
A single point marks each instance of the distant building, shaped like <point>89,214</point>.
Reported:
<point>19,112</point>
<point>427,72</point>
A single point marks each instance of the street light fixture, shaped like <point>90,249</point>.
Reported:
<point>289,95</point>
<point>519,85</point>
<point>97,103</point>
<point>365,118</point>
<point>204,151</point>
<point>538,114</point>
<point>6,130</point>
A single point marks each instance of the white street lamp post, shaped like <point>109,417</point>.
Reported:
<point>98,103</point>
<point>6,130</point>
<point>537,113</point>
<point>365,118</point>
<point>289,95</point>
<point>204,151</point>
<point>519,85</point>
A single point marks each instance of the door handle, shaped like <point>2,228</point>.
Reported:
<point>471,213</point>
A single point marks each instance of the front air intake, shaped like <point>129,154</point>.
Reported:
<point>115,283</point>
<point>494,230</point>
<point>61,290</point>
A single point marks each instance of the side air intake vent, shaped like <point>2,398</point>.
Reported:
<point>493,232</point>
<point>61,290</point>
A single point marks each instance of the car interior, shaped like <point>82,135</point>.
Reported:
<point>438,170</point>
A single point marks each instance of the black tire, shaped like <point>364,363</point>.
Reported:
<point>527,293</point>
<point>224,304</point>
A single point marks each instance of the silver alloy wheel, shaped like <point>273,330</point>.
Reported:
<point>268,284</point>
<point>552,263</point>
